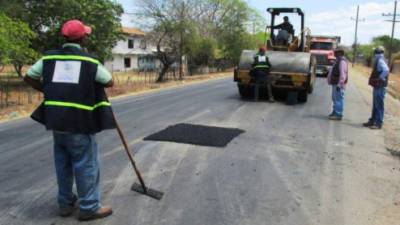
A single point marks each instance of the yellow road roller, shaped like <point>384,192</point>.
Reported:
<point>293,67</point>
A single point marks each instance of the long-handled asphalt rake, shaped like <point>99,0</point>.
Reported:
<point>140,188</point>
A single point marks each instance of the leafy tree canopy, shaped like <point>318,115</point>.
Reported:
<point>384,41</point>
<point>205,31</point>
<point>45,18</point>
<point>15,43</point>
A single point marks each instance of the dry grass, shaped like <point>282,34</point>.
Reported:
<point>23,100</point>
<point>16,98</point>
<point>9,69</point>
<point>142,85</point>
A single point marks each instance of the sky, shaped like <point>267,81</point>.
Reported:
<point>324,17</point>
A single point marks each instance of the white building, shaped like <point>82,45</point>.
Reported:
<point>133,53</point>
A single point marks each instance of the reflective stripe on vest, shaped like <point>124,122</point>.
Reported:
<point>76,105</point>
<point>261,66</point>
<point>71,57</point>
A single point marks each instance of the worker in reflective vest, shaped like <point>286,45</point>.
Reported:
<point>75,108</point>
<point>260,73</point>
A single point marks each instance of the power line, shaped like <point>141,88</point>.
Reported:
<point>393,21</point>
<point>355,33</point>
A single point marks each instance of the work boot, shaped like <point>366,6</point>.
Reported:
<point>100,213</point>
<point>65,212</point>
<point>334,117</point>
<point>375,127</point>
<point>368,124</point>
<point>271,100</point>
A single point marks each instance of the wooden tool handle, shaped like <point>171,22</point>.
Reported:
<point>126,147</point>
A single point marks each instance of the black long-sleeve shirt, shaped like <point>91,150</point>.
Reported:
<point>285,26</point>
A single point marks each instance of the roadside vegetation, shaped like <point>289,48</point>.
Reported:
<point>207,34</point>
<point>394,80</point>
<point>210,32</point>
<point>366,51</point>
<point>18,100</point>
<point>44,20</point>
<point>365,60</point>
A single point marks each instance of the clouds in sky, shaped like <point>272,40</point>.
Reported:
<point>338,22</point>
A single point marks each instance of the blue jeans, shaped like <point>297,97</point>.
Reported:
<point>76,157</point>
<point>338,101</point>
<point>378,106</point>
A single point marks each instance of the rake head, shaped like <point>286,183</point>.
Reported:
<point>149,192</point>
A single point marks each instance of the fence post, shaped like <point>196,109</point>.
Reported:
<point>19,94</point>
<point>7,90</point>
<point>1,95</point>
<point>145,78</point>
<point>29,95</point>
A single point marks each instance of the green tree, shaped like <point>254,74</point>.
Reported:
<point>225,28</point>
<point>168,44</point>
<point>15,43</point>
<point>45,18</point>
<point>173,23</point>
<point>201,51</point>
<point>384,41</point>
<point>204,31</point>
<point>366,51</point>
<point>233,29</point>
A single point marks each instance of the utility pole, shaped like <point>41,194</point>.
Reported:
<point>355,34</point>
<point>394,21</point>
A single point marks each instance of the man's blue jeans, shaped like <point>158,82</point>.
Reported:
<point>378,106</point>
<point>338,101</point>
<point>76,157</point>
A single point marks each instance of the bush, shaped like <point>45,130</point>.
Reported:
<point>15,42</point>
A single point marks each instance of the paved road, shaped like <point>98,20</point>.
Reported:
<point>292,166</point>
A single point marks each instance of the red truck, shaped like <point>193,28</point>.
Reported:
<point>323,47</point>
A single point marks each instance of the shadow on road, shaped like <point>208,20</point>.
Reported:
<point>344,121</point>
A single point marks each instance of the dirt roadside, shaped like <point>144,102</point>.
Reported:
<point>394,83</point>
<point>359,76</point>
<point>22,111</point>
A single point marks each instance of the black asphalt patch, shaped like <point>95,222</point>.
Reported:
<point>196,135</point>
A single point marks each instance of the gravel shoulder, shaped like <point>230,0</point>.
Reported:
<point>359,75</point>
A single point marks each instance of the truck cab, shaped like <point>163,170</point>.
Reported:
<point>323,47</point>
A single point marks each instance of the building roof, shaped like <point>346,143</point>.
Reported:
<point>133,31</point>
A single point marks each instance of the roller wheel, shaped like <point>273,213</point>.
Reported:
<point>244,91</point>
<point>311,89</point>
<point>303,96</point>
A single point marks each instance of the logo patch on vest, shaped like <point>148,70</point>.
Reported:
<point>67,72</point>
<point>262,58</point>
